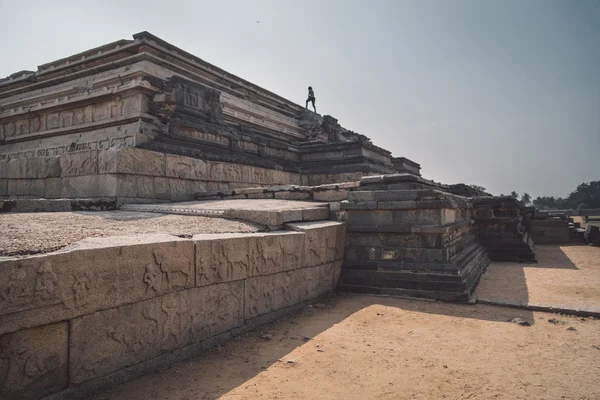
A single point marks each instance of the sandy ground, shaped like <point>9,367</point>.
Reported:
<point>565,277</point>
<point>29,233</point>
<point>364,347</point>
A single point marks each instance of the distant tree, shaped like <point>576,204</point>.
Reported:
<point>586,195</point>
<point>549,203</point>
<point>525,198</point>
<point>514,195</point>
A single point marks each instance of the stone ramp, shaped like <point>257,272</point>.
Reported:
<point>272,213</point>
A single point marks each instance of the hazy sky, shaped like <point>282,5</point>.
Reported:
<point>503,94</point>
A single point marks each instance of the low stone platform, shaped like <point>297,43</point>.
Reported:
<point>34,233</point>
<point>104,310</point>
<point>499,227</point>
<point>415,243</point>
<point>550,231</point>
<point>271,213</point>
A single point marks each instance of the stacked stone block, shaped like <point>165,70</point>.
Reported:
<point>108,309</point>
<point>414,243</point>
<point>550,231</point>
<point>499,226</point>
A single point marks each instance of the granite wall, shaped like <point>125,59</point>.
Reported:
<point>108,309</point>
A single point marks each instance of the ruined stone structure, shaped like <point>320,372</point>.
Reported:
<point>407,237</point>
<point>106,310</point>
<point>141,120</point>
<point>499,225</point>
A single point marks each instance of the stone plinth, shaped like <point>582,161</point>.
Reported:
<point>550,231</point>
<point>105,310</point>
<point>403,181</point>
<point>404,165</point>
<point>499,227</point>
<point>414,243</point>
<point>142,120</point>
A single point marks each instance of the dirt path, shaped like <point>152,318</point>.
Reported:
<point>365,347</point>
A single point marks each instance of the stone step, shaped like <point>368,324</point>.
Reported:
<point>361,289</point>
<point>403,280</point>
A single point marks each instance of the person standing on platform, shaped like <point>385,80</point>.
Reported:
<point>311,98</point>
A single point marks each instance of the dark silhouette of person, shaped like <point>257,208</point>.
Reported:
<point>311,98</point>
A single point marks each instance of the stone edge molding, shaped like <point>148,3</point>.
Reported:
<point>104,310</point>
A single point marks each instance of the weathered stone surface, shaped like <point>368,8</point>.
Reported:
<point>102,273</point>
<point>185,189</point>
<point>3,187</point>
<point>45,167</point>
<point>324,241</point>
<point>34,362</point>
<point>225,172</point>
<point>186,168</point>
<point>79,163</point>
<point>275,252</point>
<point>330,195</point>
<point>290,195</point>
<point>109,340</point>
<point>140,162</point>
<point>269,293</point>
<point>89,186</point>
<point>221,258</point>
<point>131,161</point>
<point>53,188</point>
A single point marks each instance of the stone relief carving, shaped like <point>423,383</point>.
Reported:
<point>167,272</point>
<point>186,168</point>
<point>30,288</point>
<point>31,362</point>
<point>81,289</point>
<point>203,100</point>
<point>43,121</point>
<point>264,255</point>
<point>177,322</point>
<point>225,172</point>
<point>117,143</point>
<point>46,283</point>
<point>18,291</point>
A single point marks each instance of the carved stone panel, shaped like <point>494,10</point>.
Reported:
<point>33,362</point>
<point>269,293</point>
<point>273,253</point>
<point>110,340</point>
<point>324,241</point>
<point>225,172</point>
<point>80,163</point>
<point>39,290</point>
<point>319,280</point>
<point>185,168</point>
<point>141,162</point>
<point>221,259</point>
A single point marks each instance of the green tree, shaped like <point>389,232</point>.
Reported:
<point>514,195</point>
<point>525,198</point>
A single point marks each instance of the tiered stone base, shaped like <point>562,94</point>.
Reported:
<point>550,231</point>
<point>414,243</point>
<point>499,227</point>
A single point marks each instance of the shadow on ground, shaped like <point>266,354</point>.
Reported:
<point>241,361</point>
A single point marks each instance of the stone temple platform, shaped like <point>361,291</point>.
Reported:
<point>144,121</point>
<point>113,299</point>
